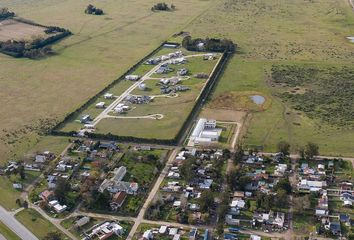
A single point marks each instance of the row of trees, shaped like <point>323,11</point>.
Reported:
<point>90,9</point>
<point>163,7</point>
<point>208,44</point>
<point>5,13</point>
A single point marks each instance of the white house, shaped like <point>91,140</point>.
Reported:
<point>108,96</point>
<point>132,77</point>
<point>100,105</point>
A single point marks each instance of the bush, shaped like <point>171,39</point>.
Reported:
<point>90,9</point>
<point>162,7</point>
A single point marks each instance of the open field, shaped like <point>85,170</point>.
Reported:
<point>11,29</point>
<point>278,33</point>
<point>86,62</point>
<point>7,233</point>
<point>36,223</point>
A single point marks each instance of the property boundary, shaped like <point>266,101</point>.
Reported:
<point>178,139</point>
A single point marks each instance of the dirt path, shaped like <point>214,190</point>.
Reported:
<point>152,193</point>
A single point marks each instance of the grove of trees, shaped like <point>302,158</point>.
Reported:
<point>162,7</point>
<point>5,13</point>
<point>90,9</point>
<point>209,44</point>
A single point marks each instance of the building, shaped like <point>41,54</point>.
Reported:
<point>85,118</point>
<point>118,200</point>
<point>115,184</point>
<point>108,95</point>
<point>82,221</point>
<point>132,77</point>
<point>205,132</point>
<point>100,105</point>
<point>142,86</point>
<point>312,186</point>
<point>106,230</point>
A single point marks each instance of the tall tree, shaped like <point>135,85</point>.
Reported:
<point>311,150</point>
<point>283,147</point>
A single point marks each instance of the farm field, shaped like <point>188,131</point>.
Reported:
<point>11,29</point>
<point>37,94</point>
<point>271,33</point>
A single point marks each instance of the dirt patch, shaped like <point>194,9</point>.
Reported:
<point>223,114</point>
<point>240,101</point>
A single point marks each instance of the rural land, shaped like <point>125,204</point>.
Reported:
<point>192,119</point>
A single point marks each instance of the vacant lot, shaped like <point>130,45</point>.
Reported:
<point>279,32</point>
<point>36,94</point>
<point>36,223</point>
<point>12,29</point>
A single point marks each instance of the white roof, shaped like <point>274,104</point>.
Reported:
<point>163,229</point>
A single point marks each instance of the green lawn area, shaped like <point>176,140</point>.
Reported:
<point>303,223</point>
<point>7,232</point>
<point>270,33</point>
<point>36,223</point>
<point>9,194</point>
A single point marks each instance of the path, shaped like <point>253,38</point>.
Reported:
<point>157,116</point>
<point>11,222</point>
<point>152,193</point>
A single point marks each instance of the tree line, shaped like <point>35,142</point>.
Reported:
<point>5,13</point>
<point>209,44</point>
<point>36,47</point>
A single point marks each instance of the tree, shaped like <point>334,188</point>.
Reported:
<point>206,200</point>
<point>62,188</point>
<point>187,168</point>
<point>302,203</point>
<point>21,171</point>
<point>283,184</point>
<point>53,236</point>
<point>281,198</point>
<point>284,147</point>
<point>173,7</point>
<point>226,153</point>
<point>311,150</point>
<point>239,154</point>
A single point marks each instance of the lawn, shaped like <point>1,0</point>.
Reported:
<point>8,193</point>
<point>37,94</point>
<point>36,223</point>
<point>7,232</point>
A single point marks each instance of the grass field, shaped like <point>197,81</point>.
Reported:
<point>7,233</point>
<point>277,32</point>
<point>36,223</point>
<point>100,50</point>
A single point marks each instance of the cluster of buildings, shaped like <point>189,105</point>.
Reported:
<point>205,132</point>
<point>157,60</point>
<point>118,188</point>
<point>104,231</point>
<point>121,108</point>
<point>181,194</point>
<point>137,99</point>
<point>174,233</point>
<point>48,197</point>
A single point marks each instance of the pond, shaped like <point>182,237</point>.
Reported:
<point>258,99</point>
<point>351,39</point>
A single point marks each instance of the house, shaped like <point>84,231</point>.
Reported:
<point>100,105</point>
<point>108,95</point>
<point>280,169</point>
<point>312,186</point>
<point>132,77</point>
<point>40,159</point>
<point>82,221</point>
<point>118,200</point>
<point>274,219</point>
<point>85,118</point>
<point>193,234</point>
<point>46,195</point>
<point>106,230</point>
<point>239,204</point>
<point>182,72</point>
<point>57,206</point>
<point>115,184</point>
<point>148,235</point>
<point>255,237</point>
<point>163,229</point>
<point>142,86</point>
<point>17,186</point>
<point>344,218</point>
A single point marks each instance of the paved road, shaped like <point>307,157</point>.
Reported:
<point>11,222</point>
<point>152,193</point>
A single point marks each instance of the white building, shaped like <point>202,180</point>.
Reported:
<point>100,105</point>
<point>108,96</point>
<point>132,77</point>
<point>205,132</point>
